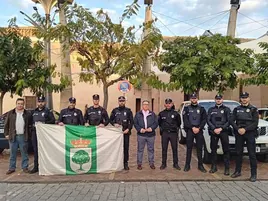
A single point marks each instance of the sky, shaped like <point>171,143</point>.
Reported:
<point>174,17</point>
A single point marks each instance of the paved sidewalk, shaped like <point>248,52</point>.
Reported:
<point>140,191</point>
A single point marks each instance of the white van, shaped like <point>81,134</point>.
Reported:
<point>261,141</point>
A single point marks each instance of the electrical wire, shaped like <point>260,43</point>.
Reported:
<point>164,25</point>
<point>178,21</point>
<point>201,24</point>
<point>251,31</point>
<point>219,21</point>
<point>240,24</point>
<point>253,19</point>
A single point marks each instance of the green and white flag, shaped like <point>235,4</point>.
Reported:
<point>71,150</point>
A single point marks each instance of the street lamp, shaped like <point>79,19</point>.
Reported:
<point>235,2</point>
<point>148,2</point>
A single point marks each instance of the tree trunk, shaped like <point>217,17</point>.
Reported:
<point>105,96</point>
<point>186,96</point>
<point>197,92</point>
<point>1,102</point>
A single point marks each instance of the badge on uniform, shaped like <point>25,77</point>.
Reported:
<point>248,110</point>
<point>99,112</point>
<point>43,114</point>
<point>172,116</point>
<point>198,111</point>
<point>75,114</point>
<point>222,111</point>
<point>125,113</point>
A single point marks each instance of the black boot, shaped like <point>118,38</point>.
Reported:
<point>126,166</point>
<point>226,171</point>
<point>187,168</point>
<point>34,170</point>
<point>202,169</point>
<point>253,178</point>
<point>236,174</point>
<point>163,166</point>
<point>176,166</point>
<point>213,169</point>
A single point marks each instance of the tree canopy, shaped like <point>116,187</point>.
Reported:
<point>22,66</point>
<point>208,63</point>
<point>109,51</point>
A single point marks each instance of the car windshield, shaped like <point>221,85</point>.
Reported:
<point>231,105</point>
<point>210,104</point>
<point>263,114</point>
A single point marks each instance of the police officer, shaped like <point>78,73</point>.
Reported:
<point>71,115</point>
<point>169,122</point>
<point>123,116</point>
<point>44,115</point>
<point>245,123</point>
<point>219,128</point>
<point>96,115</point>
<point>194,119</point>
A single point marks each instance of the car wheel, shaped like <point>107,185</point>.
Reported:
<point>1,151</point>
<point>182,138</point>
<point>206,155</point>
<point>262,158</point>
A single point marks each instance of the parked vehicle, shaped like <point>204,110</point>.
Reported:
<point>4,142</point>
<point>263,113</point>
<point>261,141</point>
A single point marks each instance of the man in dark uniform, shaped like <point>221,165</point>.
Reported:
<point>169,122</point>
<point>219,128</point>
<point>96,115</point>
<point>43,115</point>
<point>71,115</point>
<point>245,123</point>
<point>194,119</point>
<point>123,116</point>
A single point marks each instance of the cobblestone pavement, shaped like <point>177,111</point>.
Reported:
<point>227,190</point>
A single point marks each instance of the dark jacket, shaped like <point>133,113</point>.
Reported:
<point>152,122</point>
<point>71,116</point>
<point>219,117</point>
<point>169,121</point>
<point>96,116</point>
<point>10,124</point>
<point>203,118</point>
<point>246,117</point>
<point>122,116</point>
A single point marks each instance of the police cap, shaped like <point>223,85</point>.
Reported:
<point>41,98</point>
<point>72,100</point>
<point>168,100</point>
<point>244,95</point>
<point>121,98</point>
<point>194,95</point>
<point>96,97</point>
<point>218,96</point>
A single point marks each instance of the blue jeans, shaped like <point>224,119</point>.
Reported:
<point>18,142</point>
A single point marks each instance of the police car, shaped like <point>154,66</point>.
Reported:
<point>261,141</point>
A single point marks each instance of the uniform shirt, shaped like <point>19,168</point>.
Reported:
<point>200,113</point>
<point>122,116</point>
<point>96,116</point>
<point>71,116</point>
<point>169,120</point>
<point>246,117</point>
<point>43,115</point>
<point>218,117</point>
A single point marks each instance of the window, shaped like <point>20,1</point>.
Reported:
<point>30,102</point>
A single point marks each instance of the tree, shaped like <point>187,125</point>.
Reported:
<point>259,73</point>
<point>208,63</point>
<point>81,157</point>
<point>22,66</point>
<point>108,51</point>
